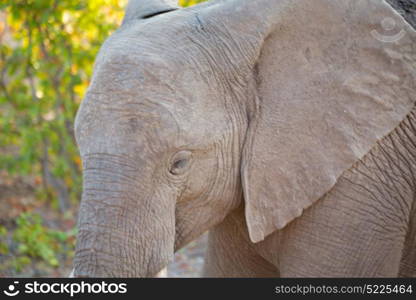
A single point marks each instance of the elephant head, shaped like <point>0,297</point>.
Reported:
<point>193,112</point>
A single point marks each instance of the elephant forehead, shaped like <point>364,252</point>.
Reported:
<point>157,85</point>
<point>155,46</point>
<point>151,91</point>
<point>121,73</point>
<point>151,74</point>
<point>151,95</point>
<point>141,119</point>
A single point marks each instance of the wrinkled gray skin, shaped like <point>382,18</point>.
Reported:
<point>166,133</point>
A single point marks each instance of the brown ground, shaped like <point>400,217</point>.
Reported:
<point>188,262</point>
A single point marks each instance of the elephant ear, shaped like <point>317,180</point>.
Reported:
<point>333,78</point>
<point>142,9</point>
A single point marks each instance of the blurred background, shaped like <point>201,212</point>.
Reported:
<point>47,50</point>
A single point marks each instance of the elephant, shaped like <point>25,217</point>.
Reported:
<point>284,128</point>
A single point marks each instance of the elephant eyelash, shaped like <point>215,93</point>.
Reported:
<point>181,163</point>
<point>178,166</point>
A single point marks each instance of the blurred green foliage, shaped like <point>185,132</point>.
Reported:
<point>4,247</point>
<point>37,241</point>
<point>189,2</point>
<point>47,50</point>
<point>46,57</point>
<point>32,240</point>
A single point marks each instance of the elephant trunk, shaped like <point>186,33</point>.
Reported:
<point>123,231</point>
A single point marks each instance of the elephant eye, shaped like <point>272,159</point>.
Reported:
<point>180,162</point>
